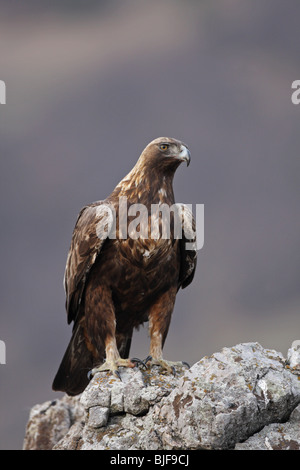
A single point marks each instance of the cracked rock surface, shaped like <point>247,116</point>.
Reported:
<point>243,397</point>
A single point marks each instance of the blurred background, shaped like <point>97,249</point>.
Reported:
<point>89,84</point>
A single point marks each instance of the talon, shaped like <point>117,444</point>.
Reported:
<point>90,374</point>
<point>148,358</point>
<point>112,366</point>
<point>138,361</point>
<point>186,364</point>
<point>168,366</point>
<point>117,374</point>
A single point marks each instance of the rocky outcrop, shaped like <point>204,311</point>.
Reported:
<point>244,397</point>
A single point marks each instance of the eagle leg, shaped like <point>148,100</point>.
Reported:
<point>113,360</point>
<point>112,366</point>
<point>159,321</point>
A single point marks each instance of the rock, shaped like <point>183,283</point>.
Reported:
<point>293,357</point>
<point>233,399</point>
<point>124,404</point>
<point>277,436</point>
<point>49,423</point>
<point>225,398</point>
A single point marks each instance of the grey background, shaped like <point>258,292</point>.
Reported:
<point>89,84</point>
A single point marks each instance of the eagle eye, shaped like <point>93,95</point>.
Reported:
<point>164,147</point>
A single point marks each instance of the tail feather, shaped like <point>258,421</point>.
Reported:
<point>71,376</point>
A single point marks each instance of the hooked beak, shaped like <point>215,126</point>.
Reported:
<point>185,155</point>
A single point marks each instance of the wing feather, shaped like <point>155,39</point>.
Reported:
<point>188,245</point>
<point>92,229</point>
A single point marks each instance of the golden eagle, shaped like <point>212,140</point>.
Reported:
<point>117,278</point>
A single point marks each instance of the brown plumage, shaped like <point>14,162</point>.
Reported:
<point>114,284</point>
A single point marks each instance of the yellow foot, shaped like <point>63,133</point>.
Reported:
<point>113,366</point>
<point>169,366</point>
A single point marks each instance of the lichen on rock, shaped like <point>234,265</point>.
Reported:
<point>221,402</point>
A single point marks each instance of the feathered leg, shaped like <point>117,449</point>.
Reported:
<point>159,322</point>
<point>101,327</point>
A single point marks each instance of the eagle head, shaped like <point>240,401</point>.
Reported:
<point>165,153</point>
